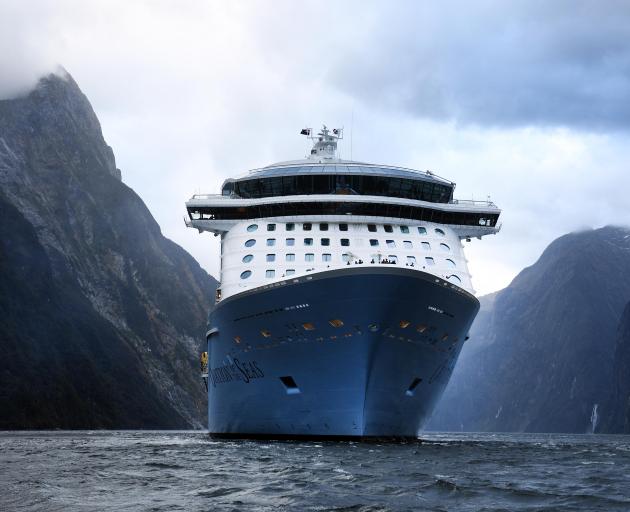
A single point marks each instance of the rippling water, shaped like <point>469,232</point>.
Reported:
<point>162,471</point>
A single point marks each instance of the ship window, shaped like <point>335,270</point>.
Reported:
<point>326,241</point>
<point>271,227</point>
<point>421,328</point>
<point>290,271</point>
<point>323,226</point>
<point>270,273</point>
<point>290,226</point>
<point>407,244</point>
<point>454,278</point>
<point>439,231</point>
<point>445,247</point>
<point>426,246</point>
<point>390,243</point>
<point>246,274</point>
<point>250,243</point>
<point>372,228</point>
<point>308,241</point>
<point>252,227</point>
<point>345,242</point>
<point>307,226</point>
<point>290,242</point>
<point>373,327</point>
<point>429,260</point>
<point>271,242</point>
<point>335,323</point>
<point>237,339</point>
<point>345,257</point>
<point>393,257</point>
<point>290,257</point>
<point>326,257</point>
<point>404,229</point>
<point>247,258</point>
<point>403,324</point>
<point>388,228</point>
<point>271,257</point>
<point>422,231</point>
<point>343,227</point>
<point>265,333</point>
<point>308,326</point>
<point>451,263</point>
<point>373,242</point>
<point>309,257</point>
<point>411,260</point>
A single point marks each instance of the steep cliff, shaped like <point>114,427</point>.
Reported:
<point>542,352</point>
<point>101,317</point>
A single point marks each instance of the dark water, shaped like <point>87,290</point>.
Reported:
<point>117,471</point>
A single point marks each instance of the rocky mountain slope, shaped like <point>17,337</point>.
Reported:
<point>543,352</point>
<point>101,317</point>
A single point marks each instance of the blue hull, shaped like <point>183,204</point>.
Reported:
<point>280,368</point>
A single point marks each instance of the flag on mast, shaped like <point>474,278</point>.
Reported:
<point>305,131</point>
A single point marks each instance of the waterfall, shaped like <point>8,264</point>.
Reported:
<point>594,418</point>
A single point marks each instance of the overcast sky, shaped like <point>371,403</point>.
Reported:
<point>527,102</point>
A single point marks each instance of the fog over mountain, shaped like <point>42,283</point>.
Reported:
<point>101,317</point>
<point>549,353</point>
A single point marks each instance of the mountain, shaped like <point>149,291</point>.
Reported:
<point>542,353</point>
<point>101,317</point>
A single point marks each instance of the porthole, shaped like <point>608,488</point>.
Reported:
<point>246,274</point>
<point>308,241</point>
<point>290,226</point>
<point>250,243</point>
<point>445,247</point>
<point>307,226</point>
<point>343,227</point>
<point>252,227</point>
<point>451,263</point>
<point>290,271</point>
<point>422,231</point>
<point>326,257</point>
<point>271,227</point>
<point>407,244</point>
<point>429,260</point>
<point>271,257</point>
<point>345,257</point>
<point>345,242</point>
<point>404,229</point>
<point>411,260</point>
<point>439,232</point>
<point>388,228</point>
<point>271,242</point>
<point>290,257</point>
<point>390,243</point>
<point>309,257</point>
<point>270,273</point>
<point>374,243</point>
<point>372,228</point>
<point>426,246</point>
<point>326,242</point>
<point>323,226</point>
<point>454,279</point>
<point>290,242</point>
<point>247,258</point>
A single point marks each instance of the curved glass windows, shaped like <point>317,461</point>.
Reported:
<point>290,257</point>
<point>271,227</point>
<point>422,230</point>
<point>439,231</point>
<point>309,257</point>
<point>326,257</point>
<point>270,273</point>
<point>445,247</point>
<point>345,242</point>
<point>426,246</point>
<point>390,243</point>
<point>407,244</point>
<point>374,243</point>
<point>246,274</point>
<point>290,242</point>
<point>252,227</point>
<point>324,183</point>
<point>404,229</point>
<point>247,258</point>
<point>271,242</point>
<point>429,260</point>
<point>250,243</point>
<point>308,241</point>
<point>326,242</point>
<point>454,279</point>
<point>450,263</point>
<point>372,228</point>
<point>290,271</point>
<point>271,257</point>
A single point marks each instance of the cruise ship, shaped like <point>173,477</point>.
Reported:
<point>344,296</point>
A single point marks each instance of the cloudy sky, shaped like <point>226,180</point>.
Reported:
<point>526,101</point>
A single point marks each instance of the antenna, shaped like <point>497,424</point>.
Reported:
<point>351,129</point>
